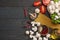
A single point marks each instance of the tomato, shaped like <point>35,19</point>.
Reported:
<point>46,2</point>
<point>37,3</point>
<point>42,9</point>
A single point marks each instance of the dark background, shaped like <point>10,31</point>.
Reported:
<point>12,19</point>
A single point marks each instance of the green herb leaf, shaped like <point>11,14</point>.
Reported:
<point>56,0</point>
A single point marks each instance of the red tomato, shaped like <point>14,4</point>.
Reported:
<point>37,3</point>
<point>42,9</point>
<point>46,2</point>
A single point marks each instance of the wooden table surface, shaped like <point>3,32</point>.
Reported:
<point>12,19</point>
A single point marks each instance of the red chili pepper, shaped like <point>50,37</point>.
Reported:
<point>28,22</point>
<point>25,12</point>
<point>27,26</point>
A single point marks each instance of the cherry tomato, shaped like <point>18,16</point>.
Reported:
<point>37,3</point>
<point>46,2</point>
<point>42,9</point>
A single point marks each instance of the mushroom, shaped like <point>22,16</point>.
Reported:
<point>31,32</point>
<point>27,32</point>
<point>38,34</point>
<point>37,10</point>
<point>34,29</point>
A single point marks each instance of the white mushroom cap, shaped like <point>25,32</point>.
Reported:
<point>37,10</point>
<point>31,32</point>
<point>34,38</point>
<point>49,7</point>
<point>51,11</point>
<point>56,17</point>
<point>59,2</point>
<point>48,35</point>
<point>27,32</point>
<point>40,38</point>
<point>34,29</point>
<point>58,14</point>
<point>31,36</point>
<point>32,23</point>
<point>57,10</point>
<point>38,23</point>
<point>53,7</point>
<point>52,2</point>
<point>56,4</point>
<point>59,7</point>
<point>38,34</point>
<point>44,38</point>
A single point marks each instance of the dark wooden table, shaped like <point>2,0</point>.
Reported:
<point>12,19</point>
